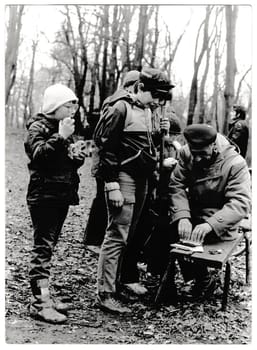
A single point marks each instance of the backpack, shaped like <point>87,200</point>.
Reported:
<point>140,158</point>
<point>104,121</point>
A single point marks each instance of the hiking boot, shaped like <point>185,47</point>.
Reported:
<point>47,313</point>
<point>136,288</point>
<point>108,303</point>
<point>42,307</point>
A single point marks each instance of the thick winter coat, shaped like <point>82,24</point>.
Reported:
<point>53,174</point>
<point>219,195</point>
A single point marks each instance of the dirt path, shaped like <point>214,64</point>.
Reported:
<point>74,279</point>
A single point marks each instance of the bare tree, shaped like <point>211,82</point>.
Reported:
<point>202,104</point>
<point>12,47</point>
<point>197,63</point>
<point>240,84</point>
<point>95,71</point>
<point>218,52</point>
<point>116,30</point>
<point>140,39</point>
<point>156,37</point>
<point>128,13</point>
<point>105,24</point>
<point>71,48</point>
<point>229,93</point>
<point>172,47</point>
<point>28,103</point>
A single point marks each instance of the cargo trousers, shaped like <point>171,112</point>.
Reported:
<point>121,227</point>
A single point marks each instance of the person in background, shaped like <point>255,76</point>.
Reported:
<point>209,194</point>
<point>95,228</point>
<point>54,159</point>
<point>127,160</point>
<point>238,129</point>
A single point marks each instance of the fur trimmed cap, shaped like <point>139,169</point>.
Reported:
<point>55,96</point>
<point>200,135</point>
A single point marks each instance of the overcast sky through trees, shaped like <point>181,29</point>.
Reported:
<point>47,19</point>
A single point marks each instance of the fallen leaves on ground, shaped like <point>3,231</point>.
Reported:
<point>73,280</point>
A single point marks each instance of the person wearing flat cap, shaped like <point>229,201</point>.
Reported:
<point>209,194</point>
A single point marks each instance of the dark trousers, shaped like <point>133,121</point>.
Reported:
<point>128,267</point>
<point>97,219</point>
<point>47,224</point>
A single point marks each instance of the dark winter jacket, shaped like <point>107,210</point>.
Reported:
<point>239,134</point>
<point>53,174</point>
<point>126,143</point>
<point>219,194</point>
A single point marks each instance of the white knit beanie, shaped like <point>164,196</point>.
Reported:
<point>55,96</point>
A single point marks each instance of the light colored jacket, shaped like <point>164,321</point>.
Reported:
<point>219,195</point>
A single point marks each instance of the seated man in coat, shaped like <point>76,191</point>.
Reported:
<point>209,193</point>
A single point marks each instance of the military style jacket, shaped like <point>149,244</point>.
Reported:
<point>218,195</point>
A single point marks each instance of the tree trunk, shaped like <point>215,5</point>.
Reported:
<point>116,32</point>
<point>103,93</point>
<point>197,63</point>
<point>156,37</point>
<point>128,12</point>
<point>229,93</point>
<point>214,110</point>
<point>28,103</point>
<point>12,47</point>
<point>140,40</point>
<point>95,68</point>
<point>240,85</point>
<point>202,102</point>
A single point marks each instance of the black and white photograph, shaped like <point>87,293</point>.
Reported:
<point>128,162</point>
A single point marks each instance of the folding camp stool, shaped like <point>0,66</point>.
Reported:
<point>216,255</point>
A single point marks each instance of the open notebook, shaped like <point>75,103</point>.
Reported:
<point>188,246</point>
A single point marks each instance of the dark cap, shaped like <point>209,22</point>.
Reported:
<point>200,135</point>
<point>240,111</point>
<point>175,124</point>
<point>131,77</point>
<point>155,80</point>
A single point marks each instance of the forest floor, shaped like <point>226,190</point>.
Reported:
<point>74,276</point>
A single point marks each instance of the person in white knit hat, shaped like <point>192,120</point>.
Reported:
<point>55,96</point>
<point>53,162</point>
